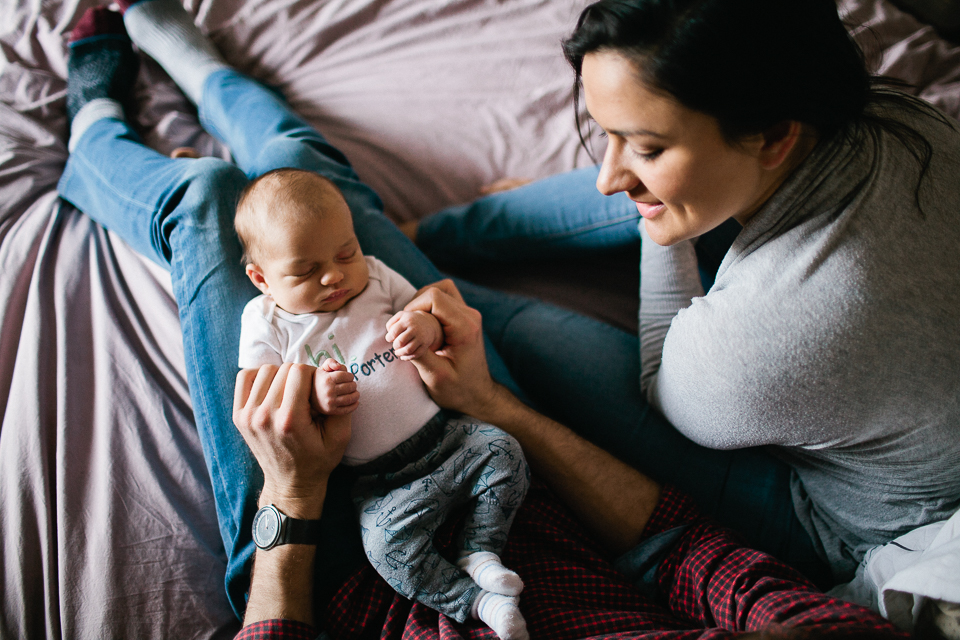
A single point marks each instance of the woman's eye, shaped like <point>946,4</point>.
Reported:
<point>649,155</point>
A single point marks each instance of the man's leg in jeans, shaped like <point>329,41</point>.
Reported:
<point>179,213</point>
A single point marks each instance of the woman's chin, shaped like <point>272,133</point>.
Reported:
<point>662,234</point>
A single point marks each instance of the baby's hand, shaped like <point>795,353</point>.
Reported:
<point>413,333</point>
<point>334,389</point>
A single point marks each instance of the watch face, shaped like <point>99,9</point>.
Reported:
<point>266,527</point>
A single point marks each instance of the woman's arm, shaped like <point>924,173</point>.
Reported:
<point>669,280</point>
<point>611,498</point>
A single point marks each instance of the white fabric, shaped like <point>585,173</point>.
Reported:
<point>90,113</point>
<point>899,578</point>
<point>393,401</point>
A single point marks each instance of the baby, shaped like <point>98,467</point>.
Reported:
<point>324,303</point>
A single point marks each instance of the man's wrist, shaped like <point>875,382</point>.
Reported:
<point>299,505</point>
<point>282,584</point>
<point>494,406</point>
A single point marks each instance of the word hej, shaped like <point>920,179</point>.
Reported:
<point>366,368</point>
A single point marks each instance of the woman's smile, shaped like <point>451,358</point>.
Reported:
<point>650,210</point>
<point>675,163</point>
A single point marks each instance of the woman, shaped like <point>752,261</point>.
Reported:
<point>829,337</point>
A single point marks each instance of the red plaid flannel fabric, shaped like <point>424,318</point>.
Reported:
<point>277,630</point>
<point>710,585</point>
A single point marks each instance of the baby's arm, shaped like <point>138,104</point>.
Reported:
<point>413,333</point>
<point>334,389</point>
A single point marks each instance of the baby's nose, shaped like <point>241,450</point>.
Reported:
<point>331,277</point>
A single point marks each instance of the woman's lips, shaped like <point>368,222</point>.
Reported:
<point>650,209</point>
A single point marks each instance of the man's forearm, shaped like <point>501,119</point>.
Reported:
<point>281,585</point>
<point>613,499</point>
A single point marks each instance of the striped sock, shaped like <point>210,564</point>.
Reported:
<point>502,614</point>
<point>487,571</point>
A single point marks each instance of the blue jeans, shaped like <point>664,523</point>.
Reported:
<point>586,374</point>
<point>179,213</point>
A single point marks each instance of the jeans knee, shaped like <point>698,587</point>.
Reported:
<point>303,149</point>
<point>213,191</point>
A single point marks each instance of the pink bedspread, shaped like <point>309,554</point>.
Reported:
<point>107,527</point>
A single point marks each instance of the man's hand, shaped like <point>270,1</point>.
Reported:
<point>334,389</point>
<point>413,333</point>
<point>296,447</point>
<point>613,499</point>
<point>456,376</point>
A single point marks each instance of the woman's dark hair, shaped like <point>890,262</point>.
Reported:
<point>751,64</point>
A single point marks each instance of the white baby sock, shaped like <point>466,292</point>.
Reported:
<point>501,614</point>
<point>487,571</point>
<point>165,31</point>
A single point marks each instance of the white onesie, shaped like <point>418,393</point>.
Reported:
<point>393,401</point>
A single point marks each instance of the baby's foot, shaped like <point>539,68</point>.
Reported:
<point>166,32</point>
<point>101,70</point>
<point>489,573</point>
<point>502,614</point>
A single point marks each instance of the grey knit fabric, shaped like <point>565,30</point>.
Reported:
<point>833,333</point>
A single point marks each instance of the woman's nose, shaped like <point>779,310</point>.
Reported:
<point>615,175</point>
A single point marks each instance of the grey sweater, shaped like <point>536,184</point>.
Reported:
<point>833,333</point>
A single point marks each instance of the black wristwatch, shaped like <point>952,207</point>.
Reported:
<point>271,528</point>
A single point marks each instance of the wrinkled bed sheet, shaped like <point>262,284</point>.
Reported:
<point>107,526</point>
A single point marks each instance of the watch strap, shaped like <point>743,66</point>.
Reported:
<point>296,531</point>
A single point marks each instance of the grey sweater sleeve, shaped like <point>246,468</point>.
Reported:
<point>669,280</point>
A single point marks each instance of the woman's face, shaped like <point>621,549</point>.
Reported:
<point>673,162</point>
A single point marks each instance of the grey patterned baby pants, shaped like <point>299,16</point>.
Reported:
<point>404,495</point>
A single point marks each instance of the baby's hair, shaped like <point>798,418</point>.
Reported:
<point>262,205</point>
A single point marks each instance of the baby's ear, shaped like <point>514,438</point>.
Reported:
<point>256,277</point>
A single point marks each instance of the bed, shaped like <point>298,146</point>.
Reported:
<point>107,526</point>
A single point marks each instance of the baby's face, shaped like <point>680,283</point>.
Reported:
<point>314,266</point>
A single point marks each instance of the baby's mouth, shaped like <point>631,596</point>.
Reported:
<point>336,295</point>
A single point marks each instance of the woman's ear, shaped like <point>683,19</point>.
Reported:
<point>256,277</point>
<point>778,141</point>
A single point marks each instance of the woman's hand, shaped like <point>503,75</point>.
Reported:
<point>296,447</point>
<point>456,375</point>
